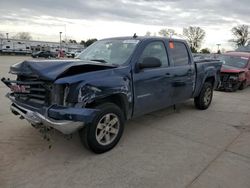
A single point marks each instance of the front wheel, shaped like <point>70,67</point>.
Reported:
<point>106,129</point>
<point>204,99</point>
<point>243,85</point>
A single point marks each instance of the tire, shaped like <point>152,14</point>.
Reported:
<point>101,136</point>
<point>243,85</point>
<point>204,99</point>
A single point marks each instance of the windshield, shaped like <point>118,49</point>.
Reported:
<point>238,62</point>
<point>114,51</point>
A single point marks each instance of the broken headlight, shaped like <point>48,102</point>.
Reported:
<point>87,93</point>
<point>242,76</point>
<point>65,96</point>
<point>234,77</point>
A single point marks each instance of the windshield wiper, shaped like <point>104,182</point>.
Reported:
<point>99,60</point>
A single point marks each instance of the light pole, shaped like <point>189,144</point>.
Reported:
<point>60,40</point>
<point>218,48</point>
<point>7,36</point>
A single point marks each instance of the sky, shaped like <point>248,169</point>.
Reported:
<point>84,19</point>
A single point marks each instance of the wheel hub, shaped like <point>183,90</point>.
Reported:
<point>208,95</point>
<point>107,129</point>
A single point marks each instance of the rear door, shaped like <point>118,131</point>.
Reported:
<point>183,71</point>
<point>152,89</point>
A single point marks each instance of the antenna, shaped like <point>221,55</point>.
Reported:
<point>135,36</point>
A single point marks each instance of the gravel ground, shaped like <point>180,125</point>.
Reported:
<point>186,148</point>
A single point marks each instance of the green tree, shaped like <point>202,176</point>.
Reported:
<point>166,32</point>
<point>83,42</point>
<point>23,36</point>
<point>72,41</point>
<point>241,35</point>
<point>89,42</point>
<point>194,36</point>
<point>205,51</point>
<point>193,49</point>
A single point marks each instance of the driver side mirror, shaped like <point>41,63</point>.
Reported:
<point>150,62</point>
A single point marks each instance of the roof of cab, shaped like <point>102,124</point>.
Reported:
<point>142,38</point>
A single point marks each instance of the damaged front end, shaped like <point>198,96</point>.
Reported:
<point>230,81</point>
<point>60,95</point>
<point>44,104</point>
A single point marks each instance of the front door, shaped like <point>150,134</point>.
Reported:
<point>152,89</point>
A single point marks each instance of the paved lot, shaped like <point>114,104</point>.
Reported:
<point>188,148</point>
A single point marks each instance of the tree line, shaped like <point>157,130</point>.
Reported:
<point>20,35</point>
<point>82,42</point>
<point>194,35</point>
<point>27,36</point>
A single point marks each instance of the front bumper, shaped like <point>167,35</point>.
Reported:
<point>229,86</point>
<point>65,119</point>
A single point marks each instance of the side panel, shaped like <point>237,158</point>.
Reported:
<point>152,88</point>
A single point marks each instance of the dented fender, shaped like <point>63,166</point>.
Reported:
<point>88,87</point>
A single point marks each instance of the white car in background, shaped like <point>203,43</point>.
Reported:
<point>73,54</point>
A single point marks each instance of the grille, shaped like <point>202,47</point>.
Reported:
<point>224,77</point>
<point>35,91</point>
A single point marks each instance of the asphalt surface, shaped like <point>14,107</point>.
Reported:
<point>183,148</point>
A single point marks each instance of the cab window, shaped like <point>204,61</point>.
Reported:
<point>179,54</point>
<point>156,50</point>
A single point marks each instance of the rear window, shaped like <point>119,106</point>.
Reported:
<point>179,54</point>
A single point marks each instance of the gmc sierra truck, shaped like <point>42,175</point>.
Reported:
<point>112,81</point>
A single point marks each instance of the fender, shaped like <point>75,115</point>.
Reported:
<point>89,87</point>
<point>208,72</point>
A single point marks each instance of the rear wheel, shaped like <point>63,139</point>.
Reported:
<point>204,99</point>
<point>106,129</point>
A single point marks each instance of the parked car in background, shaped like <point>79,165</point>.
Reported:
<point>78,52</point>
<point>114,80</point>
<point>200,56</point>
<point>70,54</point>
<point>44,54</point>
<point>235,71</point>
<point>73,54</point>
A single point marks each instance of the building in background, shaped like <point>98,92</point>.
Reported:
<point>17,46</point>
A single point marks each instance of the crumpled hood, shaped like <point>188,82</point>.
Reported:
<point>230,69</point>
<point>53,69</point>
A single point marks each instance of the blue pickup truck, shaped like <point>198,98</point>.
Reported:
<point>112,81</point>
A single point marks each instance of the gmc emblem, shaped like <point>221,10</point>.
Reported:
<point>19,88</point>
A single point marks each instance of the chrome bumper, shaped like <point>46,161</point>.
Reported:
<point>35,118</point>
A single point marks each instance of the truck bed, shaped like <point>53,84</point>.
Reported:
<point>205,69</point>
